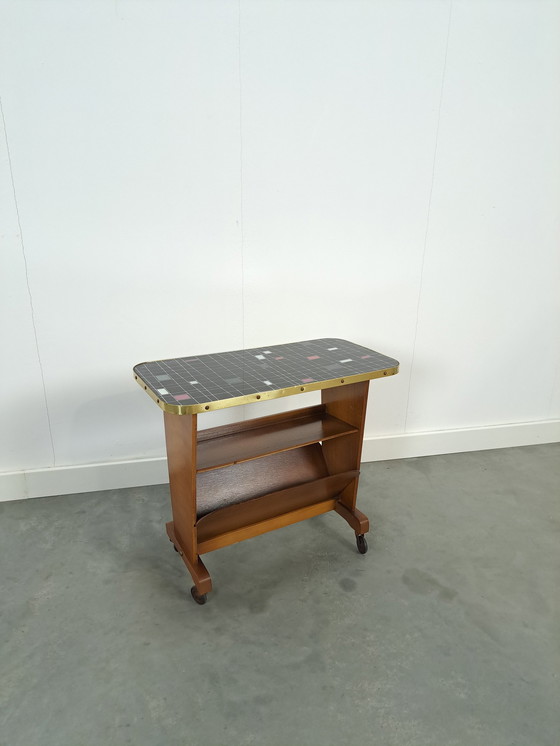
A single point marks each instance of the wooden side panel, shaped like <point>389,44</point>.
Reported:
<point>180,440</point>
<point>347,403</point>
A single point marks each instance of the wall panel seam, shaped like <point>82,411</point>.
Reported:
<point>428,214</point>
<point>26,269</point>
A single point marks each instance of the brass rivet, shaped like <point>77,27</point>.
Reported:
<point>342,380</point>
<point>157,402</point>
<point>302,388</point>
<point>135,378</point>
<point>384,372</point>
<point>207,407</point>
<point>145,387</point>
<point>258,396</point>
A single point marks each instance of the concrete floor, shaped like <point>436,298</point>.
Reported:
<point>447,632</point>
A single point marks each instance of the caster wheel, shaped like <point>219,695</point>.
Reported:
<point>200,599</point>
<point>361,543</point>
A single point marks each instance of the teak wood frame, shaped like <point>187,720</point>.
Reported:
<point>289,467</point>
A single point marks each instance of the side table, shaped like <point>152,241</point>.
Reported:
<point>240,480</point>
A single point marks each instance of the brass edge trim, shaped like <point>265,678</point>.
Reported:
<point>263,395</point>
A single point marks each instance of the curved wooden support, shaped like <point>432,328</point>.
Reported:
<point>199,573</point>
<point>357,520</point>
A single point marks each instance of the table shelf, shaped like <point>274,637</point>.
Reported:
<point>267,512</point>
<point>238,483</point>
<point>252,439</point>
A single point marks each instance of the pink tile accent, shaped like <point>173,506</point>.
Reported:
<point>307,380</point>
<point>365,356</point>
<point>279,358</point>
<point>182,397</point>
<point>313,357</point>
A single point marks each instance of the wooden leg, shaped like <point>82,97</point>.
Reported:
<point>180,440</point>
<point>347,403</point>
<point>199,573</point>
<point>355,518</point>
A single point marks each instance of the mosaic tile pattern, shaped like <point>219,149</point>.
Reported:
<point>226,375</point>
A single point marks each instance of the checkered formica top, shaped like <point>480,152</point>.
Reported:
<point>187,385</point>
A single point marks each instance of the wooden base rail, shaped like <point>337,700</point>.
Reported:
<point>357,520</point>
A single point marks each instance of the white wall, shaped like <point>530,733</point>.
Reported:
<point>197,176</point>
